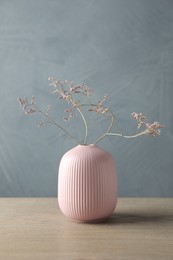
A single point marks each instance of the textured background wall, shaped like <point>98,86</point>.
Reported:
<point>120,47</point>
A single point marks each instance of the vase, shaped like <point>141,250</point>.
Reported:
<point>87,184</point>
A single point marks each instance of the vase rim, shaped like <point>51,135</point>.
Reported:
<point>87,145</point>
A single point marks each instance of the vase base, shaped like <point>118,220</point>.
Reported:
<point>90,221</point>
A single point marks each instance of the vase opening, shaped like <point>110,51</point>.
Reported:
<point>87,145</point>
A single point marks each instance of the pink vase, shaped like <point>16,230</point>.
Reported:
<point>87,184</point>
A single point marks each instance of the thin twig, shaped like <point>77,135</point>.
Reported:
<point>52,121</point>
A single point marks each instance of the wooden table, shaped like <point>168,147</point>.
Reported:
<point>34,228</point>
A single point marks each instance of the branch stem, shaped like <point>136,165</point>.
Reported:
<point>127,136</point>
<point>109,128</point>
<point>85,123</point>
<point>80,112</point>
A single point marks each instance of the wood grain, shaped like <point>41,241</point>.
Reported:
<point>34,228</point>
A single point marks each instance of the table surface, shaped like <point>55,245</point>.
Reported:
<point>34,228</point>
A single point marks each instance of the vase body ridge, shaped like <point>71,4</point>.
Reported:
<point>87,183</point>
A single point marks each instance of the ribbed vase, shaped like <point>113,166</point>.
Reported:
<point>87,183</point>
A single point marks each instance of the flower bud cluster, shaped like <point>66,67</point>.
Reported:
<point>152,129</point>
<point>27,105</point>
<point>70,114</point>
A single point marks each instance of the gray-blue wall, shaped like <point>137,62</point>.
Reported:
<point>120,47</point>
